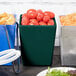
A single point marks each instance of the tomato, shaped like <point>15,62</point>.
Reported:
<point>51,22</point>
<point>24,21</point>
<point>50,14</point>
<point>31,13</point>
<point>42,23</point>
<point>39,11</point>
<point>24,15</point>
<point>47,13</point>
<point>46,18</point>
<point>40,15</point>
<point>31,23</point>
<point>34,21</point>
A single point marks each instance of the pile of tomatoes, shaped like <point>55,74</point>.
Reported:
<point>37,17</point>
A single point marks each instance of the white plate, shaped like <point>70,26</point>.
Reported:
<point>64,69</point>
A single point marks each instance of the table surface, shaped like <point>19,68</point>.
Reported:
<point>31,70</point>
<point>28,70</point>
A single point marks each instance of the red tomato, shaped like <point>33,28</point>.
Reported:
<point>31,23</point>
<point>31,13</point>
<point>51,22</point>
<point>24,15</point>
<point>46,13</point>
<point>34,21</point>
<point>50,14</point>
<point>39,11</point>
<point>42,23</point>
<point>40,15</point>
<point>46,18</point>
<point>24,21</point>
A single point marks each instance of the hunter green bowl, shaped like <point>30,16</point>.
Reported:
<point>37,43</point>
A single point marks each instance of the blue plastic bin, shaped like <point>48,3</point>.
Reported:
<point>3,37</point>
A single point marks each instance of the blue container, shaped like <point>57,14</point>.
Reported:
<point>4,45</point>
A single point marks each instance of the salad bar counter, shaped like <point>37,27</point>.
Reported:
<point>37,35</point>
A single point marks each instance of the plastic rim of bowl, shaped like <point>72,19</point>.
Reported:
<point>9,56</point>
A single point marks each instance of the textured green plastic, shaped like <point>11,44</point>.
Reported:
<point>37,44</point>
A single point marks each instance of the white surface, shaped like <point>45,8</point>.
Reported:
<point>64,69</point>
<point>56,1</point>
<point>9,55</point>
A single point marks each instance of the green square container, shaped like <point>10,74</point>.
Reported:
<point>37,44</point>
